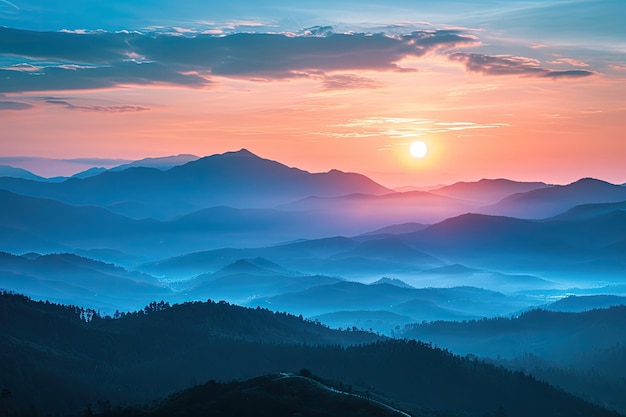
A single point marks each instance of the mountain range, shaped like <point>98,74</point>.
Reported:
<point>460,265</point>
<point>330,225</point>
<point>238,179</point>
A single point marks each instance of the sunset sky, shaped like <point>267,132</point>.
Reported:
<point>527,90</point>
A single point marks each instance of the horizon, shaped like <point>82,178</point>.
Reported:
<point>50,168</point>
<point>519,90</point>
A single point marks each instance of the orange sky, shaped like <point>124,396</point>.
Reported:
<point>475,126</point>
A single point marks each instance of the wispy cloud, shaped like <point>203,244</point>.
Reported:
<point>401,127</point>
<point>8,3</point>
<point>104,109</point>
<point>348,82</point>
<point>119,73</point>
<point>470,89</point>
<point>14,105</point>
<point>618,67</point>
<point>512,65</point>
<point>97,161</point>
<point>30,162</point>
<point>569,61</point>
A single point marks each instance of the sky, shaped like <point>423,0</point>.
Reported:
<point>526,90</point>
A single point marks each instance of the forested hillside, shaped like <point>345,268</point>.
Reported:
<point>72,363</point>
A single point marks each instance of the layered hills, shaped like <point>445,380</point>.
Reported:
<point>458,265</point>
<point>313,232</point>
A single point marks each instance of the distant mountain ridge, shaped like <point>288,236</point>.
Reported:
<point>488,190</point>
<point>548,202</point>
<point>247,278</point>
<point>576,304</point>
<point>69,278</point>
<point>587,211</point>
<point>12,172</point>
<point>526,249</point>
<point>163,163</point>
<point>238,179</point>
<point>47,225</point>
<point>243,180</point>
<point>389,296</point>
<point>378,211</point>
<point>554,335</point>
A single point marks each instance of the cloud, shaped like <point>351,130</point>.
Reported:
<point>121,73</point>
<point>277,56</point>
<point>348,82</point>
<point>470,89</point>
<point>92,47</point>
<point>69,60</point>
<point>97,161</point>
<point>401,128</point>
<point>14,105</point>
<point>13,7</point>
<point>104,109</point>
<point>317,31</point>
<point>23,67</point>
<point>512,65</point>
<point>73,60</point>
<point>569,61</point>
<point>568,74</point>
<point>52,166</point>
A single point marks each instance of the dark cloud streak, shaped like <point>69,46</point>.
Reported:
<point>94,48</point>
<point>14,105</point>
<point>121,73</point>
<point>348,82</point>
<point>568,74</point>
<point>512,65</point>
<point>104,109</point>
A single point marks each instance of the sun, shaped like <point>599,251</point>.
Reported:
<point>418,149</point>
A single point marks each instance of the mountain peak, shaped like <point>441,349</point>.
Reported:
<point>229,156</point>
<point>392,281</point>
<point>243,152</point>
<point>588,181</point>
<point>257,266</point>
<point>487,190</point>
<point>335,172</point>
